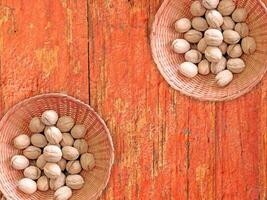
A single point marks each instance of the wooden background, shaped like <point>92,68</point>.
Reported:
<point>167,146</point>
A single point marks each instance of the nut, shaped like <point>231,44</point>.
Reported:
<point>242,29</point>
<point>63,193</point>
<point>52,170</point>
<point>78,131</point>
<point>87,161</point>
<point>36,125</point>
<point>27,186</point>
<point>228,23</point>
<point>75,182</point>
<point>62,164</point>
<point>182,25</point>
<point>193,56</point>
<point>213,54</point>
<point>199,24</point>
<point>53,135</point>
<point>19,162</point>
<point>204,67</point>
<point>249,45</point>
<point>193,36</point>
<point>219,66</point>
<point>58,182</point>
<point>65,123</point>
<point>210,4</point>
<point>38,140</point>
<point>70,153</point>
<point>231,37</point>
<point>236,65</point>
<point>49,117</point>
<point>240,15</point>
<point>74,167</point>
<point>32,152</point>
<point>22,141</point>
<point>52,153</point>
<point>81,145</point>
<point>32,172</point>
<point>42,184</point>
<point>223,47</point>
<point>67,140</point>
<point>197,9</point>
<point>213,37</point>
<point>40,162</point>
<point>188,69</point>
<point>214,18</point>
<point>202,45</point>
<point>234,50</point>
<point>226,7</point>
<point>224,78</point>
<point>180,46</point>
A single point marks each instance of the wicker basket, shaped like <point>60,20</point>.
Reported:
<point>204,87</point>
<point>16,122</point>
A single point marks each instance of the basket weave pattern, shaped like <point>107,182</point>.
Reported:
<point>16,122</point>
<point>204,87</point>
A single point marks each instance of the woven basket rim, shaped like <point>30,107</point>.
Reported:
<point>170,82</point>
<point>61,95</point>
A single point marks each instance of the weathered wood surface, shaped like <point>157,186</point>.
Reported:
<point>167,146</point>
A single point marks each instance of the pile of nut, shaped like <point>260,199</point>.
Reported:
<point>214,39</point>
<point>54,156</point>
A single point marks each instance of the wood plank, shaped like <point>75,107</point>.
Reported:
<point>162,150</point>
<point>43,46</point>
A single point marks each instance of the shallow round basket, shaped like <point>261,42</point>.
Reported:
<point>204,87</point>
<point>16,122</point>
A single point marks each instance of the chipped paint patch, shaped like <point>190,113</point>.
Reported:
<point>48,59</point>
<point>69,26</point>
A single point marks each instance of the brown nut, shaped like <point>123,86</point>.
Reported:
<point>210,4</point>
<point>36,125</point>
<point>213,54</point>
<point>180,46</point>
<point>70,153</point>
<point>74,167</point>
<point>204,67</point>
<point>199,24</point>
<point>65,123</point>
<point>223,47</point>
<point>182,25</point>
<point>67,140</point>
<point>32,152</point>
<point>40,162</point>
<point>22,141</point>
<point>38,140</point>
<point>249,45</point>
<point>242,29</point>
<point>63,193</point>
<point>193,56</point>
<point>62,164</point>
<point>216,68</point>
<point>81,145</point>
<point>226,7</point>
<point>87,161</point>
<point>224,78</point>
<point>49,117</point>
<point>236,65</point>
<point>52,153</point>
<point>202,45</point>
<point>193,36</point>
<point>19,162</point>
<point>42,184</point>
<point>75,182</point>
<point>28,186</point>
<point>213,37</point>
<point>214,18</point>
<point>228,23</point>
<point>32,172</point>
<point>240,15</point>
<point>58,182</point>
<point>234,50</point>
<point>53,135</point>
<point>231,37</point>
<point>52,170</point>
<point>78,131</point>
<point>197,9</point>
